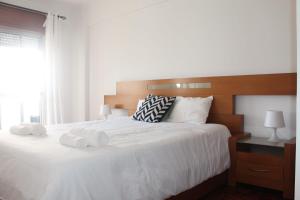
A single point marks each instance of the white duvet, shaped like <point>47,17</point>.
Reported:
<point>143,161</point>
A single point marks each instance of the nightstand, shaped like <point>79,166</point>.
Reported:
<point>258,162</point>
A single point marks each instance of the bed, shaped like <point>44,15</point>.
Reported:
<point>156,161</point>
<point>142,161</point>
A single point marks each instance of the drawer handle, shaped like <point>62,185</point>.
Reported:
<point>259,170</point>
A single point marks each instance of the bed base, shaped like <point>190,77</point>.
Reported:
<point>204,188</point>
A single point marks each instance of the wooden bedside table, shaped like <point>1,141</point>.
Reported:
<point>258,162</point>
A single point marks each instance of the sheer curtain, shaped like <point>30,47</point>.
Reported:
<point>52,112</point>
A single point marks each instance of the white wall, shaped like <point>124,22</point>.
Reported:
<point>153,39</point>
<point>254,107</point>
<point>74,47</point>
<point>79,67</point>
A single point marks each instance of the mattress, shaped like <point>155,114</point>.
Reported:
<point>142,161</point>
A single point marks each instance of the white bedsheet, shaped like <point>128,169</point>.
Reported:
<point>142,161</point>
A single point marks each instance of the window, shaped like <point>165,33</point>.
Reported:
<point>21,65</point>
<point>21,76</point>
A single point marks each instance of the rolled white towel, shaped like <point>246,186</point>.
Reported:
<point>38,129</point>
<point>29,129</point>
<point>20,130</point>
<point>95,138</point>
<point>71,140</point>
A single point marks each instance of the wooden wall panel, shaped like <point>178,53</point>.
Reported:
<point>223,88</point>
<point>265,84</point>
<point>235,123</point>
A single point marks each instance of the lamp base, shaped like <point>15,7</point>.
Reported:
<point>274,137</point>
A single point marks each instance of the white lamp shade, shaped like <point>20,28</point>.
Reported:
<point>274,119</point>
<point>105,110</point>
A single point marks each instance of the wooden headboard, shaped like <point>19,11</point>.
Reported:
<point>223,88</point>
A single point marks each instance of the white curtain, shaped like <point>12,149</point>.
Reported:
<point>52,112</point>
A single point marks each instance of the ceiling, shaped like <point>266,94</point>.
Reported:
<point>75,1</point>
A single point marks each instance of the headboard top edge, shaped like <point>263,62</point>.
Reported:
<point>227,87</point>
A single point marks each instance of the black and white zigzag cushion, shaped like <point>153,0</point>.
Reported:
<point>154,108</point>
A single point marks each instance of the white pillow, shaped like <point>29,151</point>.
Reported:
<point>119,112</point>
<point>139,104</point>
<point>190,109</point>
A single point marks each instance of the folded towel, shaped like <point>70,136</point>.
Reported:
<point>95,138</point>
<point>71,140</point>
<point>29,129</point>
<point>38,129</point>
<point>20,130</point>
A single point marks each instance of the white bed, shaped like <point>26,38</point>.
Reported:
<point>142,161</point>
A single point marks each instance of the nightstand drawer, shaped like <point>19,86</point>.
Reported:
<point>260,170</point>
<point>264,159</point>
<point>260,175</point>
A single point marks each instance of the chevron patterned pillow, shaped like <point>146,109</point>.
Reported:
<point>154,108</point>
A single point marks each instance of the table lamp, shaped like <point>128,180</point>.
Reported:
<point>105,110</point>
<point>274,119</point>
